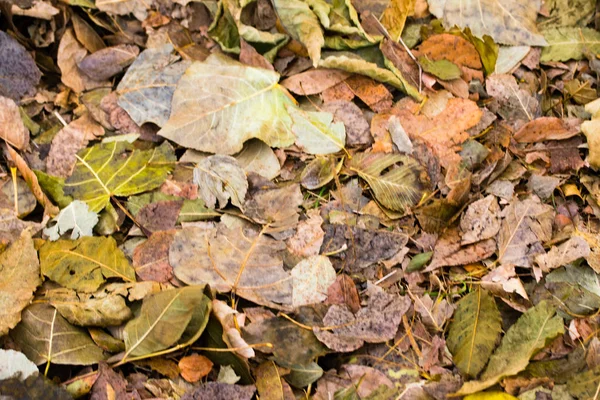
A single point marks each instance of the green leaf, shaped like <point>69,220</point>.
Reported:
<point>84,264</point>
<point>146,90</point>
<point>531,333</point>
<point>585,384</point>
<point>443,69</point>
<point>46,337</point>
<point>251,105</point>
<point>20,277</point>
<point>398,189</point>
<point>474,331</point>
<point>116,169</point>
<point>303,25</point>
<point>506,21</point>
<point>76,216</point>
<point>570,43</point>
<point>163,319</point>
<point>344,19</point>
<point>316,132</point>
<point>221,178</point>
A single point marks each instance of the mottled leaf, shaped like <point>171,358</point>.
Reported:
<point>221,178</point>
<point>570,43</point>
<point>18,73</point>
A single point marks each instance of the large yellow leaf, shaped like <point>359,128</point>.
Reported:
<point>220,103</point>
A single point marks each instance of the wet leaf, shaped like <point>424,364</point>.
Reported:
<point>46,337</point>
<point>116,169</point>
<point>20,278</point>
<point>221,178</point>
<point>11,126</point>
<point>77,218</point>
<point>252,106</point>
<point>532,331</point>
<point>147,88</point>
<point>85,263</point>
<point>474,331</point>
<point>398,189</point>
<point>163,319</point>
<point>18,73</point>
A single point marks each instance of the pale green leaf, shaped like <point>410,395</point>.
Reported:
<point>344,19</point>
<point>84,264</point>
<point>506,21</point>
<point>303,25</point>
<point>443,69</point>
<point>570,43</point>
<point>398,189</point>
<point>530,334</point>
<point>474,331</point>
<point>163,319</point>
<point>249,104</point>
<point>117,169</point>
<point>76,217</point>
<point>585,384</point>
<point>46,337</point>
<point>20,277</point>
<point>221,178</point>
<point>316,132</point>
<point>146,90</point>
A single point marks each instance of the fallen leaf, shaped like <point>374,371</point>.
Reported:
<point>450,47</point>
<point>508,22</point>
<point>584,385</point>
<point>474,331</point>
<point>400,188</point>
<point>312,277</point>
<point>309,235</point>
<point>224,124</point>
<point>567,252</point>
<point>18,73</point>
<point>343,292</point>
<point>70,54</point>
<point>194,367</point>
<point>264,206</point>
<point>11,126</point>
<point>303,25</point>
<point>316,132</point>
<point>433,314</point>
<point>252,58</point>
<point>220,391</point>
<point>546,128</point>
<point>46,337</point>
<point>19,280</point>
<point>68,141</point>
<point>314,81</point>
<point>481,220</point>
<point>357,127</point>
<point>116,169</point>
<point>109,385</point>
<point>532,331</point>
<point>160,216</point>
<point>373,94</point>
<point>509,100</point>
<point>231,321</point>
<point>376,323</point>
<point>221,178</point>
<point>77,218</point>
<point>449,251</point>
<point>15,364</point>
<point>85,263</point>
<point>124,7</point>
<point>38,387</point>
<point>108,62</point>
<point>151,258</point>
<point>259,158</point>
<point>147,88</point>
<point>270,384</point>
<point>319,172</point>
<point>394,16</point>
<point>525,226</point>
<point>569,43</point>
<point>164,318</point>
<point>11,226</point>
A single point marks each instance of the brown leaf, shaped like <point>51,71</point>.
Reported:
<point>401,60</point>
<point>251,57</point>
<point>480,221</point>
<point>309,236</point>
<point>265,207</point>
<point>70,54</point>
<point>160,216</point>
<point>314,81</point>
<point>433,314</point>
<point>564,156</point>
<point>448,251</point>
<point>452,48</point>
<point>68,141</point>
<point>220,391</point>
<point>108,62</point>
<point>110,385</point>
<point>194,367</point>
<point>151,258</point>
<point>373,94</point>
<point>510,101</point>
<point>567,252</point>
<point>343,292</point>
<point>547,128</point>
<point>357,127</point>
<point>18,73</point>
<point>11,126</point>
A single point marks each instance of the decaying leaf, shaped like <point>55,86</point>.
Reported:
<point>481,220</point>
<point>400,188</point>
<point>312,277</point>
<point>85,263</point>
<point>18,72</point>
<point>252,105</point>
<point>259,158</point>
<point>77,218</point>
<point>12,129</point>
<point>46,337</point>
<point>546,128</point>
<point>19,279</point>
<point>474,331</point>
<point>525,226</point>
<point>375,323</point>
<point>164,319</point>
<point>265,207</point>
<point>116,169</point>
<point>527,336</point>
<point>507,22</point>
<point>147,88</point>
<point>309,236</point>
<point>567,252</point>
<point>449,250</point>
<point>433,313</point>
<point>221,178</point>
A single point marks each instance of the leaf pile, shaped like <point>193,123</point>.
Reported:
<point>300,199</point>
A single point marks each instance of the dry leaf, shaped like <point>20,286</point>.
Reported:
<point>194,367</point>
<point>11,126</point>
<point>480,221</point>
